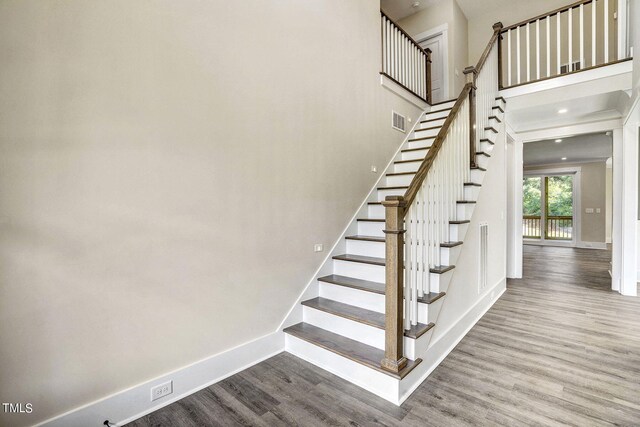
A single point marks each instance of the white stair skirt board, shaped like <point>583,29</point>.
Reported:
<point>371,380</point>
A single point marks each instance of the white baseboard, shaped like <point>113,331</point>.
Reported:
<point>128,405</point>
<point>592,245</point>
<point>447,341</point>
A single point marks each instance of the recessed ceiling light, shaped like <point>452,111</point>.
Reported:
<point>558,141</point>
<point>562,111</point>
<point>416,4</point>
<point>564,158</point>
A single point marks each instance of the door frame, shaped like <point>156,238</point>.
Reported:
<point>576,171</point>
<point>441,30</point>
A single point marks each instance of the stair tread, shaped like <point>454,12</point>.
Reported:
<point>361,259</point>
<point>487,140</point>
<point>365,238</point>
<point>483,153</point>
<point>444,102</point>
<point>422,139</point>
<point>491,128</point>
<point>479,168</point>
<point>438,111</point>
<point>472,184</point>
<point>399,187</point>
<point>450,244</point>
<point>409,161</point>
<point>373,287</point>
<point>497,107</point>
<point>438,269</point>
<point>361,315</point>
<point>466,202</point>
<point>370,220</point>
<point>351,349</point>
<point>460,221</point>
<point>430,128</point>
<point>433,120</point>
<point>408,150</point>
<point>400,173</point>
<point>496,118</point>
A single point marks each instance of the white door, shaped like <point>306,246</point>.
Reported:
<point>436,44</point>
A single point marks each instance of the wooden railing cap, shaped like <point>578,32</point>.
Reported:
<point>470,69</point>
<point>498,26</point>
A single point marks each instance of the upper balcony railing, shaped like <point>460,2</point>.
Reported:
<point>578,37</point>
<point>404,61</point>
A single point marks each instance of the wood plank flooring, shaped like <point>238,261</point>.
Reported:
<point>559,348</point>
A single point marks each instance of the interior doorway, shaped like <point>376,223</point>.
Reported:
<point>549,205</point>
<point>436,40</point>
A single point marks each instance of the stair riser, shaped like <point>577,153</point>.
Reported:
<point>354,330</point>
<point>423,143</point>
<point>366,228</point>
<point>362,247</point>
<point>494,124</point>
<point>438,115</point>
<point>449,104</point>
<point>424,133</point>
<point>414,155</point>
<point>471,192</point>
<point>477,175</point>
<point>376,211</point>
<point>359,270</point>
<point>382,194</point>
<point>406,167</point>
<point>489,135</point>
<point>482,161</point>
<point>465,210</point>
<point>450,255</point>
<point>486,147</point>
<point>398,180</point>
<point>369,300</point>
<point>458,232</point>
<point>431,124</point>
<point>440,283</point>
<point>376,382</point>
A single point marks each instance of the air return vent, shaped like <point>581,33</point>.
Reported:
<point>483,263</point>
<point>398,121</point>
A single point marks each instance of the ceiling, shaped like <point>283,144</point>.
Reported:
<point>398,9</point>
<point>579,148</point>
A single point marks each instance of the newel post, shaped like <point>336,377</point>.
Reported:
<point>394,359</point>
<point>428,75</point>
<point>472,74</point>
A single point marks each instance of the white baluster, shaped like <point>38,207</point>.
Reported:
<point>528,53</point>
<point>538,49</point>
<point>548,46</point>
<point>558,43</point>
<point>509,58</point>
<point>570,18</point>
<point>594,29</point>
<point>518,53</point>
<point>581,59</point>
<point>606,31</point>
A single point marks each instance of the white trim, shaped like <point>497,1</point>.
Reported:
<point>403,93</point>
<point>130,404</point>
<point>591,245</point>
<point>434,32</point>
<point>570,130</point>
<point>450,338</point>
<point>514,258</point>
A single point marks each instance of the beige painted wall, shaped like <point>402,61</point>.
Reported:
<point>592,195</point>
<point>445,12</point>
<point>165,169</point>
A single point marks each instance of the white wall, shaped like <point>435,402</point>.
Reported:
<point>165,169</point>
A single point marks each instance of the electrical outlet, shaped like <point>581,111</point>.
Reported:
<point>318,247</point>
<point>161,390</point>
<point>588,210</point>
<point>374,169</point>
<point>598,210</point>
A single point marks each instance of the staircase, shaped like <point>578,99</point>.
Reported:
<point>372,319</point>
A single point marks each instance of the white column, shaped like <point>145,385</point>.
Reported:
<point>629,140</point>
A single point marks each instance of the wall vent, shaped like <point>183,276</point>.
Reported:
<point>483,263</point>
<point>575,66</point>
<point>398,121</point>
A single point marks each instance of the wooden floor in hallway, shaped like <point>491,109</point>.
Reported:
<point>558,348</point>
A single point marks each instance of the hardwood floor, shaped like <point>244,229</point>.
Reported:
<point>559,348</point>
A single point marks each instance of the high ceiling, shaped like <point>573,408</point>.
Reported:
<point>398,9</point>
<point>576,149</point>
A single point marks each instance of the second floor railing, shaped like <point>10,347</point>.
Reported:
<point>557,227</point>
<point>404,61</point>
<point>581,36</point>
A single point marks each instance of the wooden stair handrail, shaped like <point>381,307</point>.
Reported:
<point>415,43</point>
<point>497,29</point>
